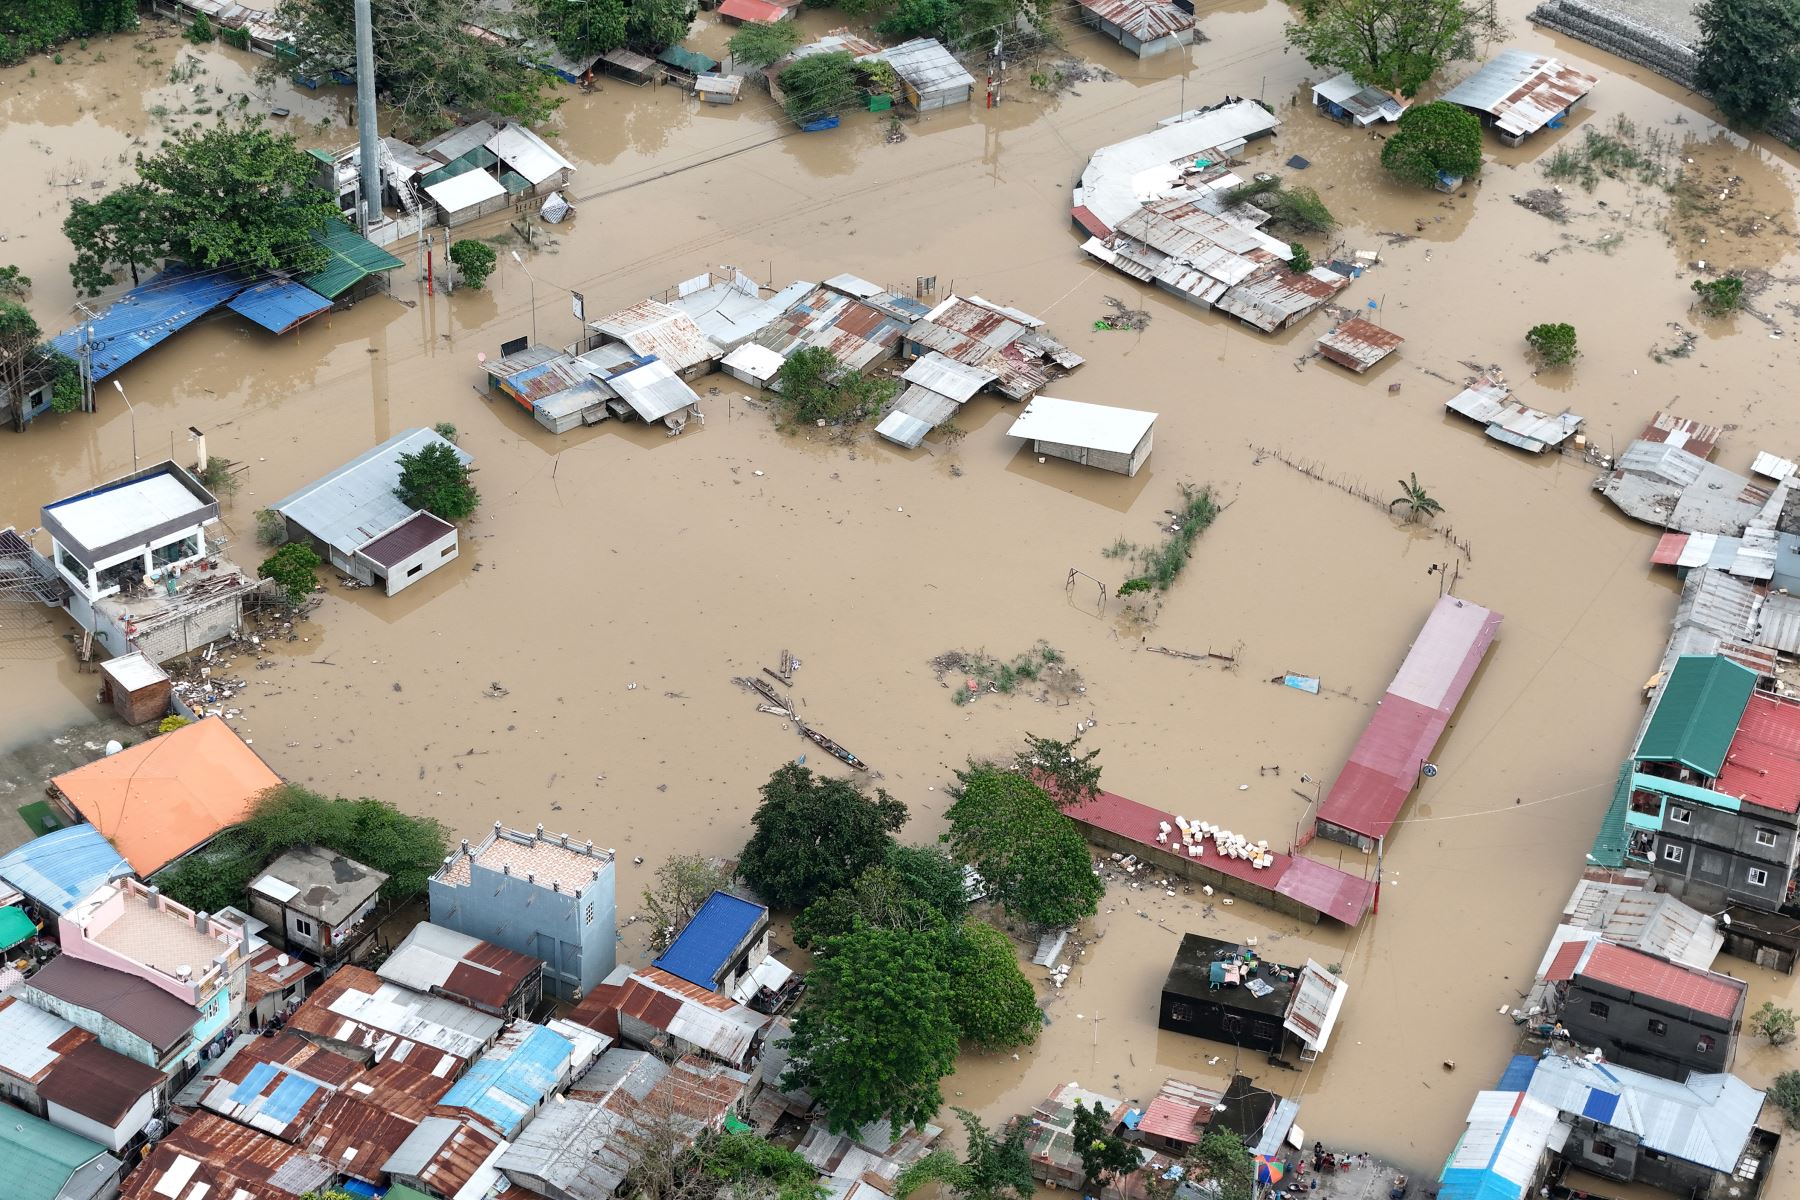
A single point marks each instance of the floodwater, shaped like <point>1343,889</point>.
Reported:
<point>616,579</point>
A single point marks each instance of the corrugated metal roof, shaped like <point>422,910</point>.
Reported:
<point>275,1099</point>
<point>28,1037</point>
<point>63,867</point>
<point>1521,90</point>
<point>719,85</point>
<point>1179,1111</point>
<point>447,147</point>
<point>654,329</point>
<point>1705,1119</point>
<point>1276,297</point>
<point>1763,764</point>
<point>692,1014</point>
<point>760,11</point>
<point>702,951</point>
<point>355,504</point>
<point>433,957</point>
<point>41,1161</point>
<point>1632,915</point>
<point>465,191</point>
<point>927,66</point>
<point>505,1086</point>
<point>1384,765</point>
<point>95,1082</point>
<point>916,412</point>
<point>278,305</point>
<point>1120,177</point>
<point>947,377</point>
<point>1696,437</point>
<point>353,258</point>
<point>1318,999</point>
<point>1673,983</point>
<point>1778,625</point>
<point>759,362</point>
<point>412,535</point>
<point>1366,104</point>
<point>147,316</point>
<point>527,154</point>
<point>1145,20</point>
<point>1359,344</point>
<point>356,1007</point>
<point>1696,714</point>
<point>447,1155</point>
<point>1498,1155</point>
<point>653,390</point>
<point>209,1155</point>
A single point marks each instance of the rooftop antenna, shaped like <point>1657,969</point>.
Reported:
<point>368,142</point>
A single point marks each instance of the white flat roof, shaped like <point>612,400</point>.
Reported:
<point>465,190</point>
<point>759,362</point>
<point>527,153</point>
<point>133,671</point>
<point>120,512</point>
<point>1075,423</point>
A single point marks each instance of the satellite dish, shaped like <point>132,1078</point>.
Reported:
<point>1429,770</point>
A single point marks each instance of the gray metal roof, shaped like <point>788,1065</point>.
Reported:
<point>916,413</point>
<point>653,390</point>
<point>1779,624</point>
<point>730,314</point>
<point>420,1145</point>
<point>1523,91</point>
<point>447,147</point>
<point>356,503</point>
<point>927,66</point>
<point>1705,1119</point>
<point>947,377</point>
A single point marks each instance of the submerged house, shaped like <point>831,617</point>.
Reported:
<point>1358,344</point>
<point>1348,102</point>
<point>1189,147</point>
<point>1011,345</point>
<point>930,77</point>
<point>1670,484</point>
<point>652,329</point>
<point>1490,403</point>
<point>1144,27</point>
<point>1647,1012</point>
<point>1516,93</point>
<point>1093,435</point>
<point>559,390</point>
<point>358,525</point>
<point>1227,993</point>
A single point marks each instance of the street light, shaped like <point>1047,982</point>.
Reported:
<point>533,282</point>
<point>133,412</point>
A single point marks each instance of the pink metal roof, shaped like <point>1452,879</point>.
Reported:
<point>1763,763</point>
<point>1647,975</point>
<point>1400,737</point>
<point>1563,965</point>
<point>1331,892</point>
<point>1668,549</point>
<point>753,10</point>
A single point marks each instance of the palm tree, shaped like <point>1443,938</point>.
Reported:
<point>1419,504</point>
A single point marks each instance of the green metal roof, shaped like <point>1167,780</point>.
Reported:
<point>322,156</point>
<point>1610,842</point>
<point>401,1192</point>
<point>353,259</point>
<point>1698,714</point>
<point>688,60</point>
<point>37,1158</point>
<point>477,157</point>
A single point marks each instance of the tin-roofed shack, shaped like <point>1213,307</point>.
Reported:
<point>1144,27</point>
<point>356,1013</point>
<point>1358,344</point>
<point>209,1155</point>
<point>1094,435</point>
<point>1489,402</point>
<point>1517,93</point>
<point>316,900</point>
<point>1348,102</point>
<point>445,962</point>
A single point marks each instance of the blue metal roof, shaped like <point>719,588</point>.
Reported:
<point>515,1075</point>
<point>1467,1183</point>
<point>148,315</point>
<point>1517,1076</point>
<point>61,869</point>
<point>278,304</point>
<point>702,951</point>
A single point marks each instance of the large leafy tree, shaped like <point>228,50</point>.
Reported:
<point>582,27</point>
<point>874,1034</point>
<point>1749,57</point>
<point>1396,45</point>
<point>683,884</point>
<point>1105,1156</point>
<point>432,60</point>
<point>994,1004</point>
<point>878,898</point>
<point>997,1166</point>
<point>1064,771</point>
<point>435,478</point>
<point>1033,858</point>
<point>240,197</point>
<point>758,45</point>
<point>963,24</point>
<point>815,834</point>
<point>124,228</point>
<point>652,26</point>
<point>1222,1158</point>
<point>1433,140</point>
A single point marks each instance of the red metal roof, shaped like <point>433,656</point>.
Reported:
<point>1647,975</point>
<point>489,975</point>
<point>1669,548</point>
<point>1399,739</point>
<point>1690,435</point>
<point>760,11</point>
<point>1173,1119</point>
<point>599,1009</point>
<point>91,1080</point>
<point>1084,217</point>
<point>1327,890</point>
<point>1763,764</point>
<point>1563,965</point>
<point>407,538</point>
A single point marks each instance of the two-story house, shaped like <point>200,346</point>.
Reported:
<point>317,902</point>
<point>1714,789</point>
<point>1658,1016</point>
<point>546,895</point>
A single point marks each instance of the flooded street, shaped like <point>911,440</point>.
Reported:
<point>616,556</point>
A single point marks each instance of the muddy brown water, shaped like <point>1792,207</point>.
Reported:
<point>618,556</point>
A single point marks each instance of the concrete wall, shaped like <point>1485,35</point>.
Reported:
<point>1195,869</point>
<point>1717,849</point>
<point>578,949</point>
<point>113,1036</point>
<point>1625,1035</point>
<point>114,1138</point>
<point>409,571</point>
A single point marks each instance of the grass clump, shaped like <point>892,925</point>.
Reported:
<point>991,674</point>
<point>1160,565</point>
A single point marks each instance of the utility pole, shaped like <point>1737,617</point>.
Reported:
<point>369,143</point>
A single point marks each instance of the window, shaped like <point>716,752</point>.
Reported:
<point>1705,1044</point>
<point>1680,815</point>
<point>1599,1008</point>
<point>1659,1028</point>
<point>1181,1012</point>
<point>1673,853</point>
<point>415,570</point>
<point>303,927</point>
<point>186,547</point>
<point>1605,1150</point>
<point>587,917</point>
<point>72,565</point>
<point>1232,1023</point>
<point>1765,837</point>
<point>1756,876</point>
<point>447,551</point>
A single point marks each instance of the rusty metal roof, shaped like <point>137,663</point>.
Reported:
<point>433,958</point>
<point>1521,90</point>
<point>1145,20</point>
<point>358,1134</point>
<point>444,1153</point>
<point>269,974</point>
<point>1271,300</point>
<point>1359,344</point>
<point>1696,437</point>
<point>210,1154</point>
<point>692,1014</point>
<point>652,328</point>
<point>357,1008</point>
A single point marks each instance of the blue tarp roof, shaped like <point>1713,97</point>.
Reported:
<point>61,869</point>
<point>147,315</point>
<point>508,1082</point>
<point>702,951</point>
<point>278,304</point>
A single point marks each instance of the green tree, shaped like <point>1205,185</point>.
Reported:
<point>1105,1156</point>
<point>436,479</point>
<point>874,1034</point>
<point>652,26</point>
<point>1222,1157</point>
<point>1774,1025</point>
<point>1553,343</point>
<point>1033,858</point>
<point>124,228</point>
<point>201,31</point>
<point>1060,768</point>
<point>1749,57</point>
<point>1718,296</point>
<point>1395,45</point>
<point>815,834</point>
<point>582,29</point>
<point>1295,209</point>
<point>242,197</point>
<point>996,1166</point>
<point>995,1006</point>
<point>1433,141</point>
<point>963,24</point>
<point>932,876</point>
<point>30,27</point>
<point>293,567</point>
<point>879,898</point>
<point>14,282</point>
<point>820,85</point>
<point>1419,504</point>
<point>1300,260</point>
<point>750,1167</point>
<point>757,45</point>
<point>1784,1094</point>
<point>271,528</point>
<point>474,259</point>
<point>814,386</point>
<point>431,63</point>
<point>683,884</point>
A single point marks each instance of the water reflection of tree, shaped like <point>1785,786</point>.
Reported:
<point>652,118</point>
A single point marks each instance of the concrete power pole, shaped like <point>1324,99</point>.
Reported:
<point>369,142</point>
